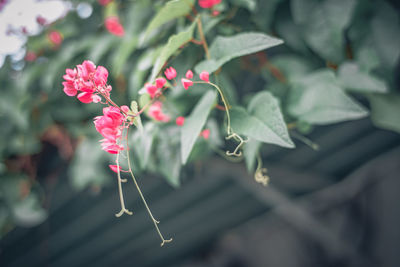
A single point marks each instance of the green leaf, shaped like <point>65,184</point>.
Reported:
<point>245,124</point>
<point>105,43</point>
<point>169,157</point>
<point>385,32</point>
<point>122,53</point>
<point>171,10</point>
<point>224,49</point>
<point>264,121</point>
<point>291,33</point>
<point>367,56</point>
<point>318,99</point>
<point>265,107</point>
<point>143,142</point>
<point>144,100</point>
<point>250,151</point>
<point>353,79</point>
<point>85,168</point>
<point>173,44</point>
<point>194,123</point>
<point>136,120</point>
<point>385,111</point>
<point>292,66</point>
<point>324,28</point>
<point>264,14</point>
<point>301,9</point>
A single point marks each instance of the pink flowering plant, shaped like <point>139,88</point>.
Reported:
<point>169,83</point>
<point>155,87</point>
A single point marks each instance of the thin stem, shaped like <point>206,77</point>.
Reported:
<point>148,104</point>
<point>230,132</point>
<point>226,105</point>
<point>196,41</point>
<point>155,222</point>
<point>110,101</point>
<point>305,140</point>
<point>121,195</point>
<point>203,38</point>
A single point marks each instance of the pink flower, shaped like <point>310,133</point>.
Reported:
<point>115,168</point>
<point>30,56</point>
<point>160,82</point>
<point>55,38</point>
<point>186,83</point>
<point>151,89</point>
<point>110,146</point>
<point>114,26</point>
<point>170,73</point>
<point>110,126</point>
<point>88,80</point>
<point>189,74</point>
<point>125,109</point>
<point>155,111</point>
<point>104,2</point>
<point>100,76</point>
<point>205,76</point>
<point>180,121</point>
<point>205,133</point>
<point>208,3</point>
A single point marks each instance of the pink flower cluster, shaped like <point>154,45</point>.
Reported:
<point>88,80</point>
<point>186,82</point>
<point>208,3</point>
<point>153,89</point>
<point>155,111</point>
<point>55,38</point>
<point>110,126</point>
<point>114,26</point>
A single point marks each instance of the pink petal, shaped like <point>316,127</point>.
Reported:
<point>151,89</point>
<point>115,168</point>
<point>125,109</point>
<point>189,74</point>
<point>205,133</point>
<point>170,73</point>
<point>186,83</point>
<point>205,76</point>
<point>100,76</point>
<point>114,26</point>
<point>160,82</point>
<point>70,91</point>
<point>89,66</point>
<point>55,38</point>
<point>96,98</point>
<point>180,121</point>
<point>85,97</point>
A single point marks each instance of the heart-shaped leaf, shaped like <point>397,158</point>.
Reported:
<point>318,99</point>
<point>224,49</point>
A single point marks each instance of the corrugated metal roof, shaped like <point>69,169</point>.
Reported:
<point>83,231</point>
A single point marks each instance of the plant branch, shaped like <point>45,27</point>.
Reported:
<point>155,222</point>
<point>121,195</point>
<point>203,38</point>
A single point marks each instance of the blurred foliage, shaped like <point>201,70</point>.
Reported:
<point>339,61</point>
